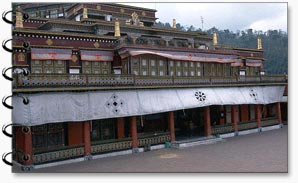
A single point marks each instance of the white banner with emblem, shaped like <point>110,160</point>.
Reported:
<point>83,106</point>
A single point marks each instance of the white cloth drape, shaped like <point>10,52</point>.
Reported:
<point>82,106</point>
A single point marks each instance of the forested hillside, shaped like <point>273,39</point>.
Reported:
<point>275,44</point>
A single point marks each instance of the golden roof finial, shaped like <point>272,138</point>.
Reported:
<point>215,39</point>
<point>117,28</point>
<point>85,13</point>
<point>19,17</point>
<point>174,23</point>
<point>260,43</point>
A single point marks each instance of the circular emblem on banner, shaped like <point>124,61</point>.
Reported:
<point>200,96</point>
<point>253,94</point>
<point>115,103</point>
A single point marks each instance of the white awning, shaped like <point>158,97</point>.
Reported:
<point>84,106</point>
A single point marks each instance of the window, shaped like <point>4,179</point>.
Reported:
<point>161,63</point>
<point>161,73</point>
<point>152,62</point>
<point>37,71</point>
<point>108,18</point>
<point>103,129</point>
<point>191,64</point>
<point>172,73</point>
<point>144,62</point>
<point>185,64</point>
<point>54,14</point>
<point>105,63</point>
<point>178,73</point>
<point>178,63</point>
<point>199,73</point>
<point>32,14</point>
<point>59,62</point>
<point>192,73</point>
<point>172,63</point>
<point>36,62</point>
<point>96,63</point>
<point>198,64</point>
<point>49,62</point>
<point>153,73</point>
<point>185,73</point>
<point>61,14</point>
<point>144,73</point>
<point>48,136</point>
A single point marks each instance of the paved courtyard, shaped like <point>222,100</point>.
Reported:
<point>259,152</point>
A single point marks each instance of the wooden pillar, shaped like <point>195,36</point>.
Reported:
<point>207,121</point>
<point>133,131</point>
<point>258,115</point>
<point>87,141</point>
<point>222,115</point>
<point>265,111</point>
<point>171,123</point>
<point>234,117</point>
<point>278,111</point>
<point>27,148</point>
<point>120,128</point>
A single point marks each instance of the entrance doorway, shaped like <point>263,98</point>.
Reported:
<point>189,123</point>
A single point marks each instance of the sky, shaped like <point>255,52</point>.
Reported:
<point>232,16</point>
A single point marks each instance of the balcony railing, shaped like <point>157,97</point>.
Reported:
<point>72,81</point>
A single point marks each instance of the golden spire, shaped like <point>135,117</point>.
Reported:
<point>85,13</point>
<point>19,18</point>
<point>259,43</point>
<point>215,39</point>
<point>174,23</point>
<point>117,28</point>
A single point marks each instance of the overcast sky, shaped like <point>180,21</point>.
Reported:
<point>232,16</point>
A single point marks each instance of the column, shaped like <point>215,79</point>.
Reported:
<point>28,153</point>
<point>265,111</point>
<point>258,115</point>
<point>234,118</point>
<point>278,111</point>
<point>87,141</point>
<point>120,128</point>
<point>171,123</point>
<point>207,121</point>
<point>222,115</point>
<point>133,131</point>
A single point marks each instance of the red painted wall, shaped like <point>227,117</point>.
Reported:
<point>75,133</point>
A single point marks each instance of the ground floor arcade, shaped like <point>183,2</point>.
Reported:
<point>60,141</point>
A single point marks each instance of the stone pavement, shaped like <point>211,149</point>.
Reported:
<point>259,152</point>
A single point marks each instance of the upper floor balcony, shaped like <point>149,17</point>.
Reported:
<point>83,82</point>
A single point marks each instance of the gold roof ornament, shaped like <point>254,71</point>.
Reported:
<point>174,23</point>
<point>215,43</point>
<point>19,18</point>
<point>117,28</point>
<point>85,13</point>
<point>260,43</point>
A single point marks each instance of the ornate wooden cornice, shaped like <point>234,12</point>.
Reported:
<point>90,36</point>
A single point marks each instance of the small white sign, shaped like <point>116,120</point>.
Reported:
<point>117,71</point>
<point>242,73</point>
<point>74,71</point>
